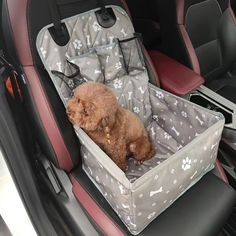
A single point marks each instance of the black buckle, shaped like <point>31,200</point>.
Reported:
<point>7,65</point>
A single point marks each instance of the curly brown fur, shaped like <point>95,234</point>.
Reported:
<point>117,131</point>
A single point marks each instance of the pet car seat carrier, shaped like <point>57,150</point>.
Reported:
<point>185,136</point>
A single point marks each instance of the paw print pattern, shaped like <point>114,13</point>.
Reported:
<point>77,44</point>
<point>117,84</point>
<point>136,110</point>
<point>186,164</point>
<point>71,83</point>
<point>159,95</point>
<point>118,65</point>
<point>124,33</point>
<point>96,26</point>
<point>167,136</point>
<point>184,114</point>
<point>155,117</point>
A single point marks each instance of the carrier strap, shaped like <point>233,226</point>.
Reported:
<point>105,14</point>
<point>55,15</point>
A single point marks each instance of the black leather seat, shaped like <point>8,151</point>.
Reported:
<point>195,213</point>
<point>22,20</point>
<point>146,21</point>
<point>202,35</point>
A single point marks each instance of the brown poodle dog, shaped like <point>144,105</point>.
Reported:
<point>117,131</point>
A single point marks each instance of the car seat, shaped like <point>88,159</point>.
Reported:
<point>146,21</point>
<point>202,35</point>
<point>60,151</point>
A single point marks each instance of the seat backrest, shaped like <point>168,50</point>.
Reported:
<point>22,21</point>
<point>199,33</point>
<point>146,21</point>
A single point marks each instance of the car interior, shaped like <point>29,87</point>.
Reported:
<point>190,48</point>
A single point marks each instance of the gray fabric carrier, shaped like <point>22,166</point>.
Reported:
<point>186,136</point>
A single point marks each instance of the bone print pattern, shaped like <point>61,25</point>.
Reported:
<point>173,123</point>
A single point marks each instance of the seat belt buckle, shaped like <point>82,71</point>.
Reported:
<point>6,64</point>
<point>9,86</point>
<point>11,74</point>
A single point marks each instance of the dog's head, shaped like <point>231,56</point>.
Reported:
<point>92,107</point>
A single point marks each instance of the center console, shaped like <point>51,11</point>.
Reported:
<point>213,101</point>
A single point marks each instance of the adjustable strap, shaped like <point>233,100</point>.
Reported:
<point>104,13</point>
<point>56,19</point>
<point>59,30</point>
